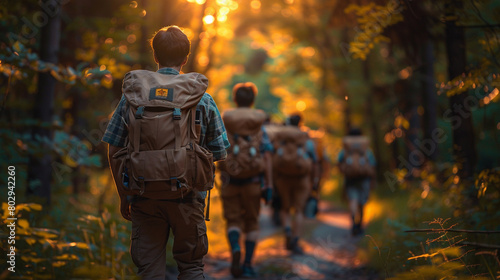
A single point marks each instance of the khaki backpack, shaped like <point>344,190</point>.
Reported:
<point>163,158</point>
<point>290,155</point>
<point>356,163</point>
<point>244,129</point>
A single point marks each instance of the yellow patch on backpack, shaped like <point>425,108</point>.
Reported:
<point>161,92</point>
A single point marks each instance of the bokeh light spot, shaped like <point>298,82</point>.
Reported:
<point>420,110</point>
<point>131,38</point>
<point>221,18</point>
<point>301,106</point>
<point>203,60</point>
<point>224,10</point>
<point>405,73</point>
<point>208,19</point>
<point>255,4</point>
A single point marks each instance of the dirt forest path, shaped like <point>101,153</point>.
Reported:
<point>329,251</point>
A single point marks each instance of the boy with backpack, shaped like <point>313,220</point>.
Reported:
<point>163,138</point>
<point>294,163</point>
<point>357,164</point>
<point>245,171</point>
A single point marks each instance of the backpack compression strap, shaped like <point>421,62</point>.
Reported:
<point>137,141</point>
<point>177,128</point>
<point>170,153</point>
<point>195,125</point>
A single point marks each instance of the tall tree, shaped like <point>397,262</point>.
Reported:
<point>191,65</point>
<point>145,36</point>
<point>429,97</point>
<point>40,168</point>
<point>464,148</point>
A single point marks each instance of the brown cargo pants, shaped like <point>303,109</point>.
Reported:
<point>293,191</point>
<point>151,224</point>
<point>241,205</point>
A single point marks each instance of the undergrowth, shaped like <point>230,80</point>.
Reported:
<point>436,229</point>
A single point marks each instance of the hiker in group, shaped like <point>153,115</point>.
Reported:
<point>322,171</point>
<point>323,166</point>
<point>163,138</point>
<point>272,130</point>
<point>357,164</point>
<point>246,176</point>
<point>294,162</point>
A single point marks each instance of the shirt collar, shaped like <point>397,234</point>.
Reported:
<point>168,71</point>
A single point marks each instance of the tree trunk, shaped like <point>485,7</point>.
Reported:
<point>210,49</point>
<point>195,44</point>
<point>464,149</point>
<point>40,168</point>
<point>416,158</point>
<point>343,86</point>
<point>145,51</point>
<point>80,103</point>
<point>370,112</point>
<point>429,100</point>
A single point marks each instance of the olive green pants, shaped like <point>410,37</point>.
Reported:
<point>151,224</point>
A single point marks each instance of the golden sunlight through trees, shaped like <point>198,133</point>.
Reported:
<point>301,106</point>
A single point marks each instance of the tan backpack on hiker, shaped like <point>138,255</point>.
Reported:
<point>244,130</point>
<point>290,155</point>
<point>163,159</point>
<point>356,163</point>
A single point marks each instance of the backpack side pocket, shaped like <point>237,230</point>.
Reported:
<point>118,164</point>
<point>203,168</point>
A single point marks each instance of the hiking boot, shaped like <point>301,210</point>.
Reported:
<point>354,230</point>
<point>361,231</point>
<point>288,242</point>
<point>357,230</point>
<point>235,264</point>
<point>295,248</point>
<point>248,271</point>
<point>276,218</point>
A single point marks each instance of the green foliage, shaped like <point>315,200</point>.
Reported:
<point>41,252</point>
<point>87,247</point>
<point>488,179</point>
<point>482,80</point>
<point>447,270</point>
<point>372,20</point>
<point>438,252</point>
<point>16,60</point>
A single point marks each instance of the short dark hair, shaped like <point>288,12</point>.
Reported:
<point>244,94</point>
<point>170,46</point>
<point>355,131</point>
<point>294,119</point>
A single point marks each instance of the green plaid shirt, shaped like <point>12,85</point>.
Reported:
<point>213,133</point>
